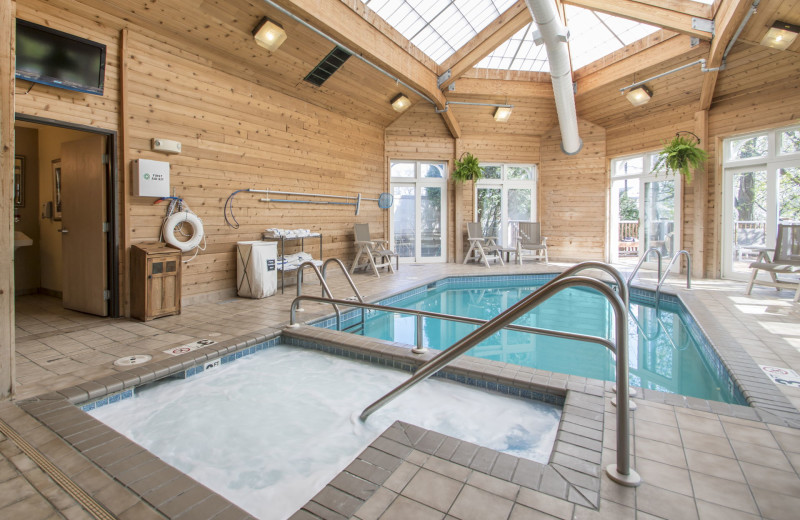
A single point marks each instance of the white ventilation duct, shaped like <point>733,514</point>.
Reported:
<point>554,36</point>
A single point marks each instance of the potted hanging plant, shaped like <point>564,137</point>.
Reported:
<point>681,155</point>
<point>468,168</point>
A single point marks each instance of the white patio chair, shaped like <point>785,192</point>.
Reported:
<point>530,242</point>
<point>376,253</point>
<point>481,245</point>
<point>785,261</point>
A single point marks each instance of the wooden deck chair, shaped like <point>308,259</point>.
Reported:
<point>530,242</point>
<point>785,261</point>
<point>376,253</point>
<point>481,245</point>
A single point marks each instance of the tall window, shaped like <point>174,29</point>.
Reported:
<point>504,196</point>
<point>645,208</point>
<point>419,211</point>
<point>761,187</point>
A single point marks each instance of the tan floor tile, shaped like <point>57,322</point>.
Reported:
<point>404,509</point>
<point>775,480</point>
<point>776,506</point>
<point>714,465</point>
<point>548,504</point>
<point>709,511</point>
<point>657,432</point>
<point>374,507</point>
<point>663,503</point>
<point>475,504</point>
<point>700,424</point>
<point>759,455</point>
<point>664,476</point>
<point>656,415</point>
<point>735,495</point>
<point>493,485</point>
<point>432,489</point>
<point>660,452</point>
<point>706,443</point>
<point>401,476</point>
<point>520,512</point>
<point>757,436</point>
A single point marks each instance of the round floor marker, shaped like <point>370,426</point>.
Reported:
<point>137,359</point>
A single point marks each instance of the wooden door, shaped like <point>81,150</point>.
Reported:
<point>83,239</point>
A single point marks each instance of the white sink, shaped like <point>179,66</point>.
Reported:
<point>21,240</point>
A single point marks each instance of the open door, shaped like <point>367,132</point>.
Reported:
<point>83,225</point>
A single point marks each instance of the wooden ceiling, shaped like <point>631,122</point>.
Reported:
<point>220,31</point>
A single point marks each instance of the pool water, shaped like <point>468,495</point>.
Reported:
<point>665,351</point>
<point>270,430</point>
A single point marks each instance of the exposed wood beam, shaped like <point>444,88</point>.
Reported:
<point>700,187</point>
<point>7,45</point>
<point>484,87</point>
<point>504,27</point>
<point>683,6</point>
<point>452,123</point>
<point>340,22</point>
<point>640,12</point>
<point>728,20</point>
<point>672,48</point>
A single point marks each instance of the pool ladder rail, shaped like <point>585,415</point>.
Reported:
<point>621,472</point>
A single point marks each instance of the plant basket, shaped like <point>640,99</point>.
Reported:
<point>681,155</point>
<point>467,168</point>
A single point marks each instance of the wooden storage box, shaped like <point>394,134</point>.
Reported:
<point>155,280</point>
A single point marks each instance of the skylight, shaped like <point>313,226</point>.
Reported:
<point>439,27</point>
<point>518,53</point>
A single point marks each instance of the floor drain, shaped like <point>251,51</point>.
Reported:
<point>133,360</point>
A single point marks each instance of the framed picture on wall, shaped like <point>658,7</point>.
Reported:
<point>56,165</point>
<point>19,181</point>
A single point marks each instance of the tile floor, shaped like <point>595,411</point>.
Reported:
<point>694,463</point>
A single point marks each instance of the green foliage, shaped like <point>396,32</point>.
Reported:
<point>681,155</point>
<point>628,208</point>
<point>468,168</point>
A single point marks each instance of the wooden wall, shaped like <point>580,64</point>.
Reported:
<point>573,193</point>
<point>7,348</point>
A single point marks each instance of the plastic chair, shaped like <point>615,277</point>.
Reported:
<point>481,245</point>
<point>530,242</point>
<point>376,253</point>
<point>785,261</point>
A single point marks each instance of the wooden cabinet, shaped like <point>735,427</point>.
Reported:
<point>155,280</point>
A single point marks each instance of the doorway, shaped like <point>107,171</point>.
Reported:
<point>66,215</point>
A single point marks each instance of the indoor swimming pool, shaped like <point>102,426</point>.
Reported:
<point>272,429</point>
<point>667,350</point>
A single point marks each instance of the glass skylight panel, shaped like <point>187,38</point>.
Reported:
<point>439,27</point>
<point>594,35</point>
<point>518,53</point>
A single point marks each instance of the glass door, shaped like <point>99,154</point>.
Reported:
<point>505,196</point>
<point>658,228</point>
<point>419,211</point>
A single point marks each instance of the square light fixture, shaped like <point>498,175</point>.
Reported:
<point>501,114</point>
<point>639,95</point>
<point>780,35</point>
<point>400,103</point>
<point>269,34</point>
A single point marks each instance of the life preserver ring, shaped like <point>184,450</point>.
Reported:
<point>177,219</point>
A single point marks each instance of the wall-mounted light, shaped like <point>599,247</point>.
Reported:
<point>780,35</point>
<point>501,114</point>
<point>400,103</point>
<point>639,95</point>
<point>269,34</point>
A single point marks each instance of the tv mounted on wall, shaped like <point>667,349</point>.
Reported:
<point>59,59</point>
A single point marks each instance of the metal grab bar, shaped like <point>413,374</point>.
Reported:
<point>655,250</point>
<point>324,285</point>
<point>620,472</point>
<point>462,319</point>
<point>669,266</point>
<point>346,275</point>
<point>592,264</point>
<point>659,327</point>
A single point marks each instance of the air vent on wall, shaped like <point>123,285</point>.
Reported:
<point>327,66</point>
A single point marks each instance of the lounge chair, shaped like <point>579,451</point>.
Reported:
<point>785,261</point>
<point>530,242</point>
<point>376,253</point>
<point>481,245</point>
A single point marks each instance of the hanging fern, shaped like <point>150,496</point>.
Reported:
<point>468,168</point>
<point>681,155</point>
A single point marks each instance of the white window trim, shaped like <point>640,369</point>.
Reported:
<point>505,185</point>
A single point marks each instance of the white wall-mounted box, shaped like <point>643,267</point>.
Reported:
<point>150,178</point>
<point>165,146</point>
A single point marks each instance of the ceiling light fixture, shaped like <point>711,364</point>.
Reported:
<point>400,103</point>
<point>501,114</point>
<point>639,95</point>
<point>269,34</point>
<point>780,35</point>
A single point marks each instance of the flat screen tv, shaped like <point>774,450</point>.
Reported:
<point>59,59</point>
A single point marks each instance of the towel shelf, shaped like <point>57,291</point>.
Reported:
<point>282,252</point>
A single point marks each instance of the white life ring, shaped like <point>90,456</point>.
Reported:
<point>177,219</point>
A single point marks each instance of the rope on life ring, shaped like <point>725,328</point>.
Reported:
<point>176,221</point>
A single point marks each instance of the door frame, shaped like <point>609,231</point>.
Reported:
<point>112,201</point>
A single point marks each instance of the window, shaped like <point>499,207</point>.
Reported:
<point>761,187</point>
<point>645,207</point>
<point>419,211</point>
<point>504,196</point>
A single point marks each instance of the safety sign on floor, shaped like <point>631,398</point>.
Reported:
<point>783,376</point>
<point>183,349</point>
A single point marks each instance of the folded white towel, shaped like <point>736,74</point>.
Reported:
<point>288,233</point>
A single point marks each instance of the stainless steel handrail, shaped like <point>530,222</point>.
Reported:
<point>462,319</point>
<point>346,275</point>
<point>655,250</point>
<point>324,285</point>
<point>620,472</point>
<point>669,266</point>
